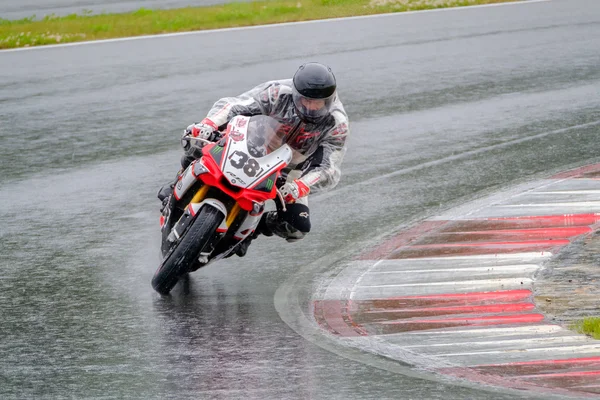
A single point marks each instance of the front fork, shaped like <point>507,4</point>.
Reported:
<point>240,227</point>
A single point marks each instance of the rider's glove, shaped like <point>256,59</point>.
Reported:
<point>206,130</point>
<point>292,191</point>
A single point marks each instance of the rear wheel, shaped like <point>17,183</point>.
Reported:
<point>177,263</point>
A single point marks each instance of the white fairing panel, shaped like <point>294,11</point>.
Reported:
<point>248,226</point>
<point>213,202</point>
<point>183,184</point>
<point>244,169</point>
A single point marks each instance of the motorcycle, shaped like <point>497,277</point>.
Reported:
<point>219,199</point>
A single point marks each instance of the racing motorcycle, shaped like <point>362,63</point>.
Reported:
<point>219,199</point>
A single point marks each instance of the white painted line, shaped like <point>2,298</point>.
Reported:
<point>462,337</point>
<point>474,284</point>
<point>516,342</point>
<point>457,264</point>
<point>572,349</point>
<point>441,263</point>
<point>492,330</point>
<point>501,268</point>
<point>527,255</point>
<point>378,293</point>
<point>360,278</point>
<point>437,277</point>
<point>209,31</point>
<point>566,205</point>
<point>591,191</point>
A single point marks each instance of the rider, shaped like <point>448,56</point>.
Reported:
<point>317,126</point>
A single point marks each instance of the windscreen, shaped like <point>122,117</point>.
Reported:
<point>264,135</point>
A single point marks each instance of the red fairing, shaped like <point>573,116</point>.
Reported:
<point>244,197</point>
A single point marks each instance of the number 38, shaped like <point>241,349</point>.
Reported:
<point>240,160</point>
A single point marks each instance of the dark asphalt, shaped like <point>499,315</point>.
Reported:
<point>444,107</point>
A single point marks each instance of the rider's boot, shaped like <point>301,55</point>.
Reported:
<point>164,194</point>
<point>242,248</point>
<point>167,190</point>
<point>188,156</point>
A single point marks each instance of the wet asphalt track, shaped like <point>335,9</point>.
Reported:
<point>16,9</point>
<point>446,106</point>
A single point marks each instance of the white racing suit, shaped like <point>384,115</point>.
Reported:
<point>321,147</point>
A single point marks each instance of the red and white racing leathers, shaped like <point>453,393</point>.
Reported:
<point>321,145</point>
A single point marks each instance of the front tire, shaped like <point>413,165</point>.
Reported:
<point>177,263</point>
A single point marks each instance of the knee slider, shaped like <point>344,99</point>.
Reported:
<point>298,216</point>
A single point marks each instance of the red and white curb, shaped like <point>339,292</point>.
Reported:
<point>454,294</point>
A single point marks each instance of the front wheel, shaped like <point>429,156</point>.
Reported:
<point>177,263</point>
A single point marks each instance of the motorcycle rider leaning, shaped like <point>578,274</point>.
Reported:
<point>316,126</point>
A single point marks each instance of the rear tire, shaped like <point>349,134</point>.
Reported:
<point>177,263</point>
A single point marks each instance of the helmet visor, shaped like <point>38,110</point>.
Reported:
<point>310,108</point>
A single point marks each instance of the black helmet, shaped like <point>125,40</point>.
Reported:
<point>313,91</point>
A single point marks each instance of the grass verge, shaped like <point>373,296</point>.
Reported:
<point>589,326</point>
<point>74,28</point>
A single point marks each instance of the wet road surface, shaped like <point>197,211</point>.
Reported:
<point>444,107</point>
<point>16,9</point>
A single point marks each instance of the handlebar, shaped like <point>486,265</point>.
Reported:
<point>197,139</point>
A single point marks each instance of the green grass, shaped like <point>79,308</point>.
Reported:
<point>590,326</point>
<point>79,27</point>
